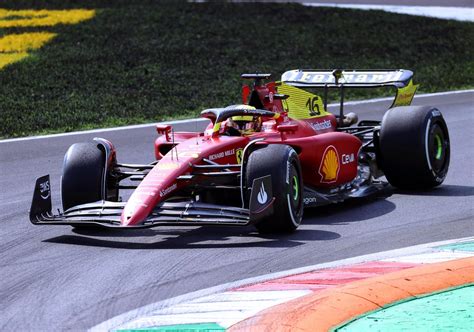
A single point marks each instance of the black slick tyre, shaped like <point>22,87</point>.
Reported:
<point>414,147</point>
<point>83,175</point>
<point>282,164</point>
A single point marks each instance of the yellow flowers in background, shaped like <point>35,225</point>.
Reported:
<point>6,59</point>
<point>14,47</point>
<point>42,18</point>
<point>24,42</point>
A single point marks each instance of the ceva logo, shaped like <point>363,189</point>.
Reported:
<point>329,168</point>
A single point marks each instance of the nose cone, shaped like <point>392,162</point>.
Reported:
<point>133,215</point>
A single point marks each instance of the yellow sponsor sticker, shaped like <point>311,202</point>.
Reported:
<point>238,155</point>
<point>301,104</point>
<point>329,168</point>
<point>188,154</point>
<point>164,165</point>
<point>405,95</point>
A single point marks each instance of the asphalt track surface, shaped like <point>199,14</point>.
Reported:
<point>55,278</point>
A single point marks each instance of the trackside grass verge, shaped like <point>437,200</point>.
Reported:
<point>142,61</point>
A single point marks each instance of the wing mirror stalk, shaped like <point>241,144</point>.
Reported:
<point>164,130</point>
<point>288,128</point>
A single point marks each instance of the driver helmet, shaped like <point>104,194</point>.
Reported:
<point>246,124</point>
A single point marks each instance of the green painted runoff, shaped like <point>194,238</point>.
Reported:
<point>451,310</point>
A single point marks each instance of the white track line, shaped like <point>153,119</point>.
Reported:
<point>430,257</point>
<point>96,131</point>
<point>446,13</point>
<point>391,255</point>
<point>148,125</point>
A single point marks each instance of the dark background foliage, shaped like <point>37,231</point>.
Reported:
<point>142,61</point>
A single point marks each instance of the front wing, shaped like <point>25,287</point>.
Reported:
<point>108,214</point>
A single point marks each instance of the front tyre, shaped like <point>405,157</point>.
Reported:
<point>282,164</point>
<point>83,179</point>
<point>414,147</point>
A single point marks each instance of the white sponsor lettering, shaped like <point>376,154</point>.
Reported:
<point>306,77</point>
<point>45,190</point>
<point>216,156</point>
<point>318,78</point>
<point>347,77</point>
<point>361,78</point>
<point>288,165</point>
<point>168,190</point>
<point>326,124</point>
<point>222,154</point>
<point>436,113</point>
<point>347,158</point>
<point>377,78</point>
<point>167,165</point>
<point>193,154</point>
<point>309,200</point>
<point>289,75</point>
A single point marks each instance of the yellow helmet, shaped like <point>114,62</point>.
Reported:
<point>247,124</point>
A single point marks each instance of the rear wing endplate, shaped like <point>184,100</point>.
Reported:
<point>349,78</point>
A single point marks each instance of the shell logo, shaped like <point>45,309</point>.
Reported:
<point>329,168</point>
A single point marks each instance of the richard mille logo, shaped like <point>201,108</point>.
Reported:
<point>262,195</point>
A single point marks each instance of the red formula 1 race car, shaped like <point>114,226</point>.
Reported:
<point>258,163</point>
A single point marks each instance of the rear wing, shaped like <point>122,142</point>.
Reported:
<point>350,78</point>
<point>317,78</point>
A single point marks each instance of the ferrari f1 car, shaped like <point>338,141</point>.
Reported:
<point>262,162</point>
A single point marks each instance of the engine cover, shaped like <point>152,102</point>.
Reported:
<point>329,160</point>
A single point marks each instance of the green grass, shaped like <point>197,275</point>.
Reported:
<point>142,61</point>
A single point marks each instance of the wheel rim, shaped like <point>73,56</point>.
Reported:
<point>294,196</point>
<point>295,188</point>
<point>438,146</point>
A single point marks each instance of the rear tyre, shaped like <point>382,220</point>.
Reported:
<point>83,175</point>
<point>414,147</point>
<point>282,164</point>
